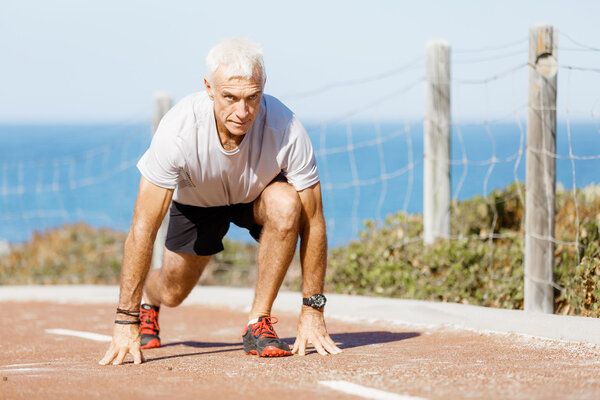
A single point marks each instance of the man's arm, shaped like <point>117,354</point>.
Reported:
<point>313,256</point>
<point>150,208</point>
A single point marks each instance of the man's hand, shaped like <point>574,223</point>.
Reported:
<point>311,329</point>
<point>126,340</point>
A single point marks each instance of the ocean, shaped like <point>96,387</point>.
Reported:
<point>54,174</point>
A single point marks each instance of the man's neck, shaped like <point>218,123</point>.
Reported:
<point>228,141</point>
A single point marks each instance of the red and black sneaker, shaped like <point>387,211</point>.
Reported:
<point>149,326</point>
<point>260,338</point>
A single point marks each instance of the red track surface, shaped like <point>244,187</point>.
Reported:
<point>202,357</point>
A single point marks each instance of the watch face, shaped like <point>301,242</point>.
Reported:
<point>315,301</point>
<point>318,300</point>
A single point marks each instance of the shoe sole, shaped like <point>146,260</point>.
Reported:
<point>152,344</point>
<point>270,351</point>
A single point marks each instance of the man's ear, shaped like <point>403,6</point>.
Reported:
<point>209,89</point>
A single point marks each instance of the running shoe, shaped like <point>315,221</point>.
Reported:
<point>260,339</point>
<point>149,326</point>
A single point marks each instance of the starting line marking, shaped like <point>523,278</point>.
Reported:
<point>366,392</point>
<point>86,335</point>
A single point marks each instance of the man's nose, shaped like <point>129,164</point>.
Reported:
<point>241,110</point>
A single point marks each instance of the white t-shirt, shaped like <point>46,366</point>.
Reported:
<point>186,154</point>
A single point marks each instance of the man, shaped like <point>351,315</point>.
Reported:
<point>229,154</point>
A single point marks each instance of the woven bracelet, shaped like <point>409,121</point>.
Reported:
<point>127,312</point>
<point>120,322</point>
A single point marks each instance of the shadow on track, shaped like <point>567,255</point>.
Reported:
<point>357,339</point>
<point>198,345</point>
<point>202,345</point>
<point>343,340</point>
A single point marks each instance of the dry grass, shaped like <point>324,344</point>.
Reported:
<point>80,254</point>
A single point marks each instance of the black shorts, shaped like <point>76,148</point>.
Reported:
<point>200,230</point>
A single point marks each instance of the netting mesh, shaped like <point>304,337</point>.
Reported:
<point>369,167</point>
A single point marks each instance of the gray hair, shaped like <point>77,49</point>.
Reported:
<point>237,57</point>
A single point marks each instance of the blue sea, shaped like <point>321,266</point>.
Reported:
<point>54,174</point>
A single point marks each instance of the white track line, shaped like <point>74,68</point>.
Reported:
<point>86,335</point>
<point>24,365</point>
<point>24,369</point>
<point>368,393</point>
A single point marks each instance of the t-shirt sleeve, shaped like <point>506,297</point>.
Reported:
<point>299,164</point>
<point>160,163</point>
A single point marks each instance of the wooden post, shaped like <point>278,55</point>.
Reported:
<point>436,131</point>
<point>540,170</point>
<point>162,104</point>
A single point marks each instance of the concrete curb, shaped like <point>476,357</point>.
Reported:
<point>349,308</point>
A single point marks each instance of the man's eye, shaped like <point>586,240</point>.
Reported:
<point>253,97</point>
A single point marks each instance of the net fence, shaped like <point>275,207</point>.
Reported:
<point>370,168</point>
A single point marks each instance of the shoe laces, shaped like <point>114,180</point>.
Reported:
<point>149,320</point>
<point>264,327</point>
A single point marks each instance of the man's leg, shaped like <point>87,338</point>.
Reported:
<point>172,283</point>
<point>278,210</point>
<point>169,285</point>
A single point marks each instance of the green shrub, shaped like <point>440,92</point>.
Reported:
<point>389,260</point>
<point>471,268</point>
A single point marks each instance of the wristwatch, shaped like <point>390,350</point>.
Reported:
<point>315,301</point>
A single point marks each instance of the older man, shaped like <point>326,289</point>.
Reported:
<point>229,154</point>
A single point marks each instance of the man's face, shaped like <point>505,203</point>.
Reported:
<point>236,101</point>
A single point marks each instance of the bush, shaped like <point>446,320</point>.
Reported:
<point>472,268</point>
<point>389,260</point>
<point>71,254</point>
<point>80,254</point>
<point>449,270</point>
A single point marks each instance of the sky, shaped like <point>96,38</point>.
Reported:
<point>102,61</point>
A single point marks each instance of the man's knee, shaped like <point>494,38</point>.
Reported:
<point>283,209</point>
<point>172,298</point>
<point>179,275</point>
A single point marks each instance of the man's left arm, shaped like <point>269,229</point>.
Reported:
<point>313,256</point>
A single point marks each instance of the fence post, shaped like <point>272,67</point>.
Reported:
<point>540,170</point>
<point>436,131</point>
<point>162,104</point>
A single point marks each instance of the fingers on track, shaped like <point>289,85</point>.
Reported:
<point>331,347</point>
<point>109,356</point>
<point>120,357</point>
<point>138,356</point>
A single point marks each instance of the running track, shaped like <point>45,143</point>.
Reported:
<point>436,352</point>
